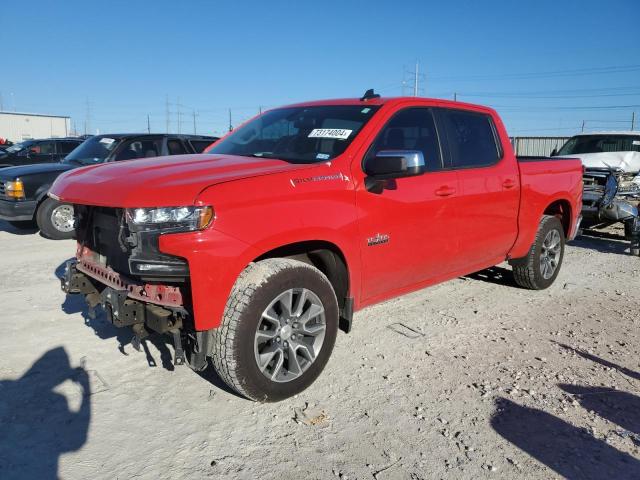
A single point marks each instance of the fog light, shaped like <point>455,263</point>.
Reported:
<point>147,267</point>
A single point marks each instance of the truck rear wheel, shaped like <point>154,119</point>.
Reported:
<point>55,220</point>
<point>539,269</point>
<point>278,330</point>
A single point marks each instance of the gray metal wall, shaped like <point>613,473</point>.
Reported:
<point>23,126</point>
<point>536,146</point>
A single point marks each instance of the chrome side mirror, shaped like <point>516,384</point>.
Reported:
<point>388,164</point>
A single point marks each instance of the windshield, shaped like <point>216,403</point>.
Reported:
<point>601,143</point>
<point>298,134</point>
<point>91,151</point>
<point>19,146</point>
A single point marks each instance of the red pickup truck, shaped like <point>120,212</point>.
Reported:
<point>257,252</point>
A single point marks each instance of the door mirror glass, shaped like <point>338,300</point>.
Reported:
<point>387,164</point>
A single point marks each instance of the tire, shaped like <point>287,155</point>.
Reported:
<point>48,220</point>
<point>236,353</point>
<point>530,271</point>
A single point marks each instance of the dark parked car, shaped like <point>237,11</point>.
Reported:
<point>48,150</point>
<point>23,189</point>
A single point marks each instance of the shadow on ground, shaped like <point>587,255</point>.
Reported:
<point>21,228</point>
<point>570,451</point>
<point>37,423</point>
<point>104,329</point>
<point>602,242</point>
<point>497,275</point>
<point>606,363</point>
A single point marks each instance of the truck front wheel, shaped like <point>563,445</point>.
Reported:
<point>539,269</point>
<point>278,330</point>
<point>55,220</point>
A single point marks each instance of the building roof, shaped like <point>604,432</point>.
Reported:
<point>4,112</point>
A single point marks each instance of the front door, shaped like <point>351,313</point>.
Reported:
<point>407,230</point>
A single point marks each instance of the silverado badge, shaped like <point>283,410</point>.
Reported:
<point>378,239</point>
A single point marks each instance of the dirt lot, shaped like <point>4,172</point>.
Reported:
<point>474,378</point>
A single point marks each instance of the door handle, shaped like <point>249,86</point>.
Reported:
<point>445,191</point>
<point>509,183</point>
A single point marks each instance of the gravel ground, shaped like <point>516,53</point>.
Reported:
<point>474,378</point>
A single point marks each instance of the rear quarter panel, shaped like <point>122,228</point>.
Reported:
<point>544,182</point>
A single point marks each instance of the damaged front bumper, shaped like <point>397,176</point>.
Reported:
<point>146,308</point>
<point>606,201</point>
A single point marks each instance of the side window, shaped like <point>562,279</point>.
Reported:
<point>471,138</point>
<point>140,148</point>
<point>200,145</point>
<point>175,147</point>
<point>410,129</point>
<point>65,148</point>
<point>43,148</point>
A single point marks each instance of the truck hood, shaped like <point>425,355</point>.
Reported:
<point>161,181</point>
<point>22,171</point>
<point>626,161</point>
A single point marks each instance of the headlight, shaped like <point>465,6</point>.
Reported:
<point>14,189</point>
<point>169,218</point>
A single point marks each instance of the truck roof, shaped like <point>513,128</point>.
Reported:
<point>612,132</point>
<point>390,100</point>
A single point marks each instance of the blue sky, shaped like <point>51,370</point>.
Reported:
<point>545,65</point>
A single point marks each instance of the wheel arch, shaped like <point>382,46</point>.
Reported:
<point>562,210</point>
<point>330,260</point>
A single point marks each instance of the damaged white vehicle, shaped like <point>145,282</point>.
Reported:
<point>611,179</point>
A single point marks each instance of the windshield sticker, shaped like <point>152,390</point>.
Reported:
<point>107,141</point>
<point>365,110</point>
<point>337,133</point>
<point>322,156</point>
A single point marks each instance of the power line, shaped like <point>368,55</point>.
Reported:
<point>548,74</point>
<point>516,95</point>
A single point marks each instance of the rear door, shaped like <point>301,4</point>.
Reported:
<point>408,229</point>
<point>489,195</point>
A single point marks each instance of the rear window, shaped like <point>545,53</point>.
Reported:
<point>471,138</point>
<point>67,147</point>
<point>200,145</point>
<point>175,147</point>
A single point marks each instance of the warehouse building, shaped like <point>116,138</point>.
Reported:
<point>16,126</point>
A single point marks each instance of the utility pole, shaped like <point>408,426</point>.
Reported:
<point>633,120</point>
<point>259,107</point>
<point>178,113</point>
<point>455,97</point>
<point>148,124</point>
<point>87,123</point>
<point>582,126</point>
<point>230,125</point>
<point>415,81</point>
<point>167,111</point>
<point>194,122</point>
